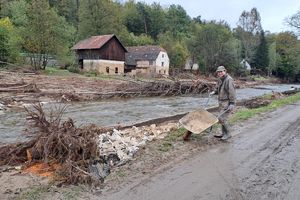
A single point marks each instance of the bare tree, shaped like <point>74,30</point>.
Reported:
<point>249,27</point>
<point>294,21</point>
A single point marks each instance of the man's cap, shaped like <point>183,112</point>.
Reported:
<point>220,69</point>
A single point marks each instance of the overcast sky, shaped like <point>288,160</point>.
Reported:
<point>272,12</point>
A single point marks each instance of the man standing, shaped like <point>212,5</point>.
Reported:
<point>226,98</point>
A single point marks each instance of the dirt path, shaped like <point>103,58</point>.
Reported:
<point>261,161</point>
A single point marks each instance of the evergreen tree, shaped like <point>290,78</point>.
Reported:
<point>261,56</point>
<point>272,58</point>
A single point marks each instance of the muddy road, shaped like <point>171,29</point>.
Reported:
<point>261,161</point>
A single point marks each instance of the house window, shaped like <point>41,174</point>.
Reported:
<point>116,70</point>
<point>163,55</point>
<point>164,71</point>
<point>151,62</point>
<point>162,64</point>
<point>107,70</point>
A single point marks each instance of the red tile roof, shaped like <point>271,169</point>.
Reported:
<point>94,42</point>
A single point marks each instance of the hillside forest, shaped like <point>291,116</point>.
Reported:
<point>41,30</point>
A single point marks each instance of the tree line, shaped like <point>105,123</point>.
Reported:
<point>41,29</point>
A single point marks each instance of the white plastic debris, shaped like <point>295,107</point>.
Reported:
<point>125,143</point>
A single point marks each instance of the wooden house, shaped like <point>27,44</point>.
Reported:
<point>104,54</point>
<point>147,60</point>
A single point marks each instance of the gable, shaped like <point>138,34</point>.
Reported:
<point>96,42</point>
<point>142,53</point>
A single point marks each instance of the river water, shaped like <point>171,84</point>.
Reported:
<point>126,111</point>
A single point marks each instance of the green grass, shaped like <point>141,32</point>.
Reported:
<point>43,192</point>
<point>245,113</point>
<point>259,78</point>
<point>167,143</point>
<point>72,194</point>
<point>54,71</point>
<point>98,76</point>
<point>121,173</point>
<point>34,193</point>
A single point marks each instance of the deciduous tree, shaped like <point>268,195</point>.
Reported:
<point>178,22</point>
<point>288,48</point>
<point>249,27</point>
<point>212,42</point>
<point>294,21</point>
<point>9,48</point>
<point>45,34</point>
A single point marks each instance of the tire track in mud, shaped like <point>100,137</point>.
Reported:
<point>273,176</point>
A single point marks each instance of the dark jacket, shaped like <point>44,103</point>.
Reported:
<point>226,90</point>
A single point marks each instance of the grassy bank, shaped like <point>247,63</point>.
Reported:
<point>245,113</point>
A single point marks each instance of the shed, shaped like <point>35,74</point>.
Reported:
<point>102,53</point>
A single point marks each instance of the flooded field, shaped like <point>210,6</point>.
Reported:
<point>126,111</point>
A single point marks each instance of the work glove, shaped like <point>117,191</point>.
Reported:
<point>212,93</point>
<point>231,107</point>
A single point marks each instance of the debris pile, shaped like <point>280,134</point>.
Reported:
<point>177,88</point>
<point>73,155</point>
<point>257,102</point>
<point>120,146</point>
<point>261,101</point>
<point>53,141</point>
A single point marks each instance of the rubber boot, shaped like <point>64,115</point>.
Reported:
<point>220,135</point>
<point>226,132</point>
<point>187,135</point>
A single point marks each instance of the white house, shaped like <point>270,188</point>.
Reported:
<point>147,60</point>
<point>245,65</point>
<point>189,65</point>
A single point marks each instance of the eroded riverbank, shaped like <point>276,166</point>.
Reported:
<point>126,111</point>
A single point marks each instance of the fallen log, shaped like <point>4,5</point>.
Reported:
<point>31,87</point>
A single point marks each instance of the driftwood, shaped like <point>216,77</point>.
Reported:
<point>31,87</point>
<point>139,89</point>
<point>166,88</point>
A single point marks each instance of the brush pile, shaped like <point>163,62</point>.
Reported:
<point>55,141</point>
